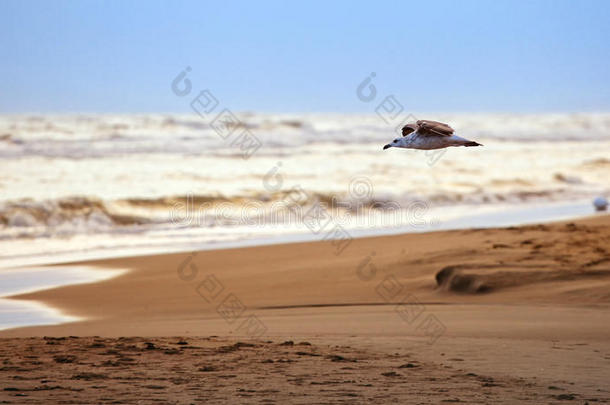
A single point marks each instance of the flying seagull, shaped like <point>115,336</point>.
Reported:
<point>426,134</point>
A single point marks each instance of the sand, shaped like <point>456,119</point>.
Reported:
<point>508,315</point>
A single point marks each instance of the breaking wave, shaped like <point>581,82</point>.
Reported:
<point>84,215</point>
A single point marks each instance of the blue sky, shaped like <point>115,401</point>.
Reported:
<point>121,56</point>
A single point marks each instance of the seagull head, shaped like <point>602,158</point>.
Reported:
<point>395,142</point>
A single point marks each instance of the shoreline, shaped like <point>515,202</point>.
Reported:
<point>75,276</point>
<point>363,254</point>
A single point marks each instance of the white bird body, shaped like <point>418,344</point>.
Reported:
<point>427,142</point>
<point>426,135</point>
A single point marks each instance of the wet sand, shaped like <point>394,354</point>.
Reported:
<point>507,315</point>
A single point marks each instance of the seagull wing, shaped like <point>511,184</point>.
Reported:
<point>409,129</point>
<point>427,127</point>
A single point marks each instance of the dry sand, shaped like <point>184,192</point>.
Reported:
<point>511,315</point>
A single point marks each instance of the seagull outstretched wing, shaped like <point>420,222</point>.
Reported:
<point>428,127</point>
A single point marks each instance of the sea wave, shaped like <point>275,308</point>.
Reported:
<point>77,215</point>
<point>53,213</point>
<point>80,136</point>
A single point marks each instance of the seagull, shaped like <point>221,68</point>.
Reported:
<point>426,134</point>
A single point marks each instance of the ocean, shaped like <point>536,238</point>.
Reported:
<point>76,186</point>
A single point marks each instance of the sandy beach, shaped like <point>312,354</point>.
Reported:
<point>506,315</point>
<point>287,203</point>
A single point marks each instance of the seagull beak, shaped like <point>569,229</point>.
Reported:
<point>387,146</point>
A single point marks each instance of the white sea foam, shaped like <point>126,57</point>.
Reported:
<point>77,183</point>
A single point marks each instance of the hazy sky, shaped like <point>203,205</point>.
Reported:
<point>121,56</point>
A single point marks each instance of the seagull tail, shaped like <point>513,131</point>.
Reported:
<point>472,143</point>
